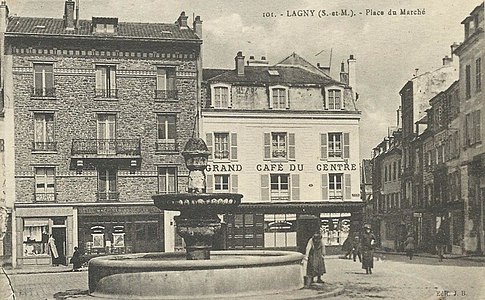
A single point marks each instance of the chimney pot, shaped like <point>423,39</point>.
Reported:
<point>351,56</point>
<point>263,57</point>
<point>251,57</point>
<point>342,67</point>
<point>239,63</point>
<point>197,25</point>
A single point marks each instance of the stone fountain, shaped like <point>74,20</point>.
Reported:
<point>203,273</point>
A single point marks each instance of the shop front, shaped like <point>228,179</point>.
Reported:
<point>119,229</point>
<point>44,235</point>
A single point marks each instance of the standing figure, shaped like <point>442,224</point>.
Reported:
<point>76,260</point>
<point>314,254</point>
<point>368,244</point>
<point>409,246</point>
<point>440,243</point>
<point>347,247</point>
<point>356,248</point>
<point>53,250</point>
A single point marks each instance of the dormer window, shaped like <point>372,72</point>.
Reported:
<point>105,25</point>
<point>221,96</point>
<point>278,97</point>
<point>334,99</point>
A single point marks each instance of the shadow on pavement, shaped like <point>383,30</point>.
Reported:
<point>71,294</point>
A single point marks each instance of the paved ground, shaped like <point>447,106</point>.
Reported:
<point>395,277</point>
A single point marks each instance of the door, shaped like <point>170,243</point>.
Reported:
<point>307,225</point>
<point>106,134</point>
<point>59,234</point>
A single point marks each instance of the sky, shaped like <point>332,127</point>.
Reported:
<point>388,49</point>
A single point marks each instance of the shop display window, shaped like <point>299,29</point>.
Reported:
<point>35,237</point>
<point>279,230</point>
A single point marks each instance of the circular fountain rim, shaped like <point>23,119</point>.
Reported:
<point>251,258</point>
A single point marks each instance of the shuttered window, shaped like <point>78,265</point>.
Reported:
<point>106,81</point>
<point>323,146</point>
<point>325,187</point>
<point>279,146</point>
<point>264,187</point>
<point>222,145</point>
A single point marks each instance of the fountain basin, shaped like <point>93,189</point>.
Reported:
<point>169,276</point>
<point>214,202</point>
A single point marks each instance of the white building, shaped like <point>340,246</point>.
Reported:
<point>286,136</point>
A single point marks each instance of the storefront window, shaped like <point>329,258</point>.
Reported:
<point>35,236</point>
<point>335,227</point>
<point>279,230</point>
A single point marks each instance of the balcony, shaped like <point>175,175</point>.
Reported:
<point>166,146</point>
<point>108,196</point>
<point>281,154</point>
<point>98,148</point>
<point>166,95</point>
<point>44,146</point>
<point>106,93</point>
<point>45,197</point>
<point>43,92</point>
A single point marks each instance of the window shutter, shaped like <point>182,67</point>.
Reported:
<point>229,97</point>
<point>324,187</point>
<point>234,146</point>
<point>208,141</point>
<point>270,96</point>
<point>49,76</point>
<point>99,78</point>
<point>291,146</point>
<point>346,145</point>
<point>234,183</point>
<point>477,126</point>
<point>112,76</point>
<point>323,146</point>
<point>265,187</point>
<point>295,186</point>
<point>267,146</point>
<point>210,183</point>
<point>348,190</point>
<point>287,96</point>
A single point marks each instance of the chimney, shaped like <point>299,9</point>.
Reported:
<point>69,15</point>
<point>239,63</point>
<point>182,20</point>
<point>352,75</point>
<point>398,117</point>
<point>3,17</point>
<point>344,77</point>
<point>198,26</point>
<point>447,60</point>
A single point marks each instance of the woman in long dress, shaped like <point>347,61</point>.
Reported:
<point>314,254</point>
<point>368,244</point>
<point>53,249</point>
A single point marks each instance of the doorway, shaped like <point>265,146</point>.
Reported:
<point>59,234</point>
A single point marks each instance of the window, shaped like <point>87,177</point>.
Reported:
<point>279,187</point>
<point>35,236</point>
<point>106,134</point>
<point>335,186</point>
<point>279,230</point>
<point>221,96</point>
<point>221,183</point>
<point>334,99</point>
<point>44,132</point>
<point>478,74</point>
<point>278,145</point>
<point>468,84</point>
<point>472,128</point>
<point>221,145</point>
<point>394,170</point>
<point>166,133</point>
<point>45,184</point>
<point>104,28</point>
<point>106,81</point>
<point>279,98</point>
<point>43,80</point>
<point>107,185</point>
<point>166,88</point>
<point>167,180</point>
<point>334,145</point>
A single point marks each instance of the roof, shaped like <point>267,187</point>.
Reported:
<point>55,27</point>
<point>209,73</point>
<point>287,75</point>
<point>367,171</point>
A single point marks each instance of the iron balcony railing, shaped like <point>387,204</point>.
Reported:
<point>106,93</point>
<point>127,147</point>
<point>108,196</point>
<point>44,146</point>
<point>45,197</point>
<point>166,94</point>
<point>43,92</point>
<point>166,145</point>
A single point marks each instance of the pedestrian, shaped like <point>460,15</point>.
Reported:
<point>368,242</point>
<point>409,246</point>
<point>76,260</point>
<point>440,243</point>
<point>347,247</point>
<point>356,248</point>
<point>53,250</point>
<point>314,255</point>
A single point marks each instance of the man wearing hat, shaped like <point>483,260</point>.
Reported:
<point>368,244</point>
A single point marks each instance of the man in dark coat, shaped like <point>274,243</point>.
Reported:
<point>440,243</point>
<point>76,260</point>
<point>368,242</point>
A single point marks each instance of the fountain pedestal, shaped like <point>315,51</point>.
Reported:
<point>198,234</point>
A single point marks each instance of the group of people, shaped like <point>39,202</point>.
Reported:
<point>440,242</point>
<point>362,247</point>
